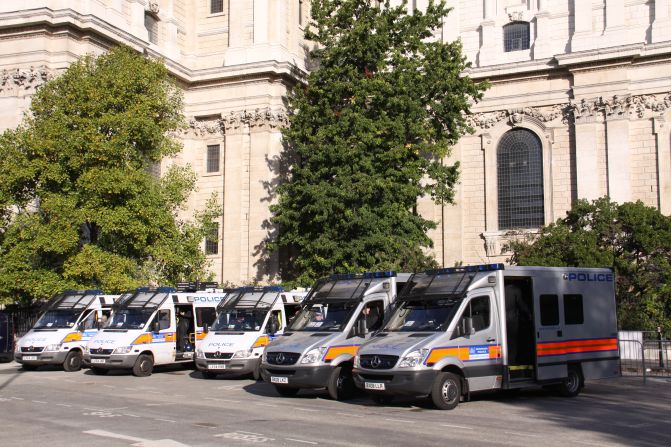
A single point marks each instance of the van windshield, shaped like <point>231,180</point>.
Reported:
<point>58,319</point>
<point>129,318</point>
<point>422,316</point>
<point>246,320</point>
<point>331,317</point>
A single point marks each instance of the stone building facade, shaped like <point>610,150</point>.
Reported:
<point>579,105</point>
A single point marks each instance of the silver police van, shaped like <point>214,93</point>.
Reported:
<point>318,348</point>
<point>455,331</point>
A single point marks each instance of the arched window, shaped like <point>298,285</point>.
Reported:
<point>519,166</point>
<point>516,36</point>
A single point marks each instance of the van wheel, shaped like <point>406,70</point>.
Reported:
<point>341,384</point>
<point>446,391</point>
<point>99,371</point>
<point>572,385</point>
<point>256,374</point>
<point>27,367</point>
<point>285,391</point>
<point>209,375</point>
<point>73,361</point>
<point>144,365</point>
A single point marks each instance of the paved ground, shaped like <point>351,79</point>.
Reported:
<point>176,407</point>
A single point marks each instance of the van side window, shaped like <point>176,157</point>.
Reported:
<point>163,319</point>
<point>549,310</point>
<point>479,310</point>
<point>573,311</point>
<point>89,322</point>
<point>205,315</point>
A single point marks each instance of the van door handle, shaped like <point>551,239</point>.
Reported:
<point>490,339</point>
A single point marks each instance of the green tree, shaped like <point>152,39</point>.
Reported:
<point>367,136</point>
<point>79,205</point>
<point>632,238</point>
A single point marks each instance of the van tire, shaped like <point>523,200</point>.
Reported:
<point>144,366</point>
<point>446,391</point>
<point>572,385</point>
<point>99,371</point>
<point>73,361</point>
<point>286,391</point>
<point>341,384</point>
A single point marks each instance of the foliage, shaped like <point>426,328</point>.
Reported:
<point>79,204</point>
<point>367,137</point>
<point>631,238</point>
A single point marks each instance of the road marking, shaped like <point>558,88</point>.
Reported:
<point>245,436</point>
<point>223,400</point>
<point>399,420</point>
<point>305,409</point>
<point>18,398</point>
<point>300,440</point>
<point>593,443</point>
<point>109,386</point>
<point>457,426</point>
<point>137,442</point>
<point>64,405</point>
<point>164,420</point>
<point>131,415</point>
<point>266,405</point>
<point>521,434</point>
<point>40,402</point>
<point>347,414</point>
<point>153,405</point>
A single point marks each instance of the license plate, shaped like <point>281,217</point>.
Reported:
<point>373,386</point>
<point>274,379</point>
<point>216,366</point>
<point>29,357</point>
<point>97,360</point>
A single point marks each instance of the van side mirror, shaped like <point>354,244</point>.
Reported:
<point>155,327</point>
<point>467,327</point>
<point>206,328</point>
<point>360,328</point>
<point>272,326</point>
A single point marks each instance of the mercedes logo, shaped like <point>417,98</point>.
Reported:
<point>100,350</point>
<point>280,358</point>
<point>31,348</point>
<point>217,354</point>
<point>375,362</point>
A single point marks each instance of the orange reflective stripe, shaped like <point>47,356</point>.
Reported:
<point>72,336</point>
<point>143,339</point>
<point>335,351</point>
<point>577,346</point>
<point>261,342</point>
<point>439,353</point>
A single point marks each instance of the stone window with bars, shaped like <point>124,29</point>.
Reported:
<point>212,241</point>
<point>516,36</point>
<point>213,155</point>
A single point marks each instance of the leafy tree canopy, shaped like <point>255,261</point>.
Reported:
<point>631,238</point>
<point>367,137</point>
<point>79,205</point>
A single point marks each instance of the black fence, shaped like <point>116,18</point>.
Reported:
<point>23,316</point>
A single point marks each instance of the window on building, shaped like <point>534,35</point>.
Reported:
<point>519,164</point>
<point>213,151</point>
<point>573,313</point>
<point>549,310</point>
<point>216,6</point>
<point>212,241</point>
<point>151,24</point>
<point>300,12</point>
<point>516,36</point>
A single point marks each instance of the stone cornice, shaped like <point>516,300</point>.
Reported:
<point>486,120</point>
<point>260,118</point>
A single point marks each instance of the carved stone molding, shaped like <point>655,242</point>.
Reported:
<point>619,107</point>
<point>154,7</point>
<point>258,119</point>
<point>487,120</point>
<point>496,241</point>
<point>15,80</point>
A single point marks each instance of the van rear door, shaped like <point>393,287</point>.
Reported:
<point>550,358</point>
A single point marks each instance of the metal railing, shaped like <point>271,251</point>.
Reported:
<point>644,355</point>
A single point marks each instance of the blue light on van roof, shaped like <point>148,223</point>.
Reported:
<point>273,289</point>
<point>166,289</point>
<point>142,289</point>
<point>466,269</point>
<point>366,275</point>
<point>93,292</point>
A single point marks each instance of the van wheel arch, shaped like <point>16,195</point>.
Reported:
<point>144,365</point>
<point>574,382</point>
<point>73,360</point>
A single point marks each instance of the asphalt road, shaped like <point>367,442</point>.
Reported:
<point>177,407</point>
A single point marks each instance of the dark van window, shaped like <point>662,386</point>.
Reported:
<point>205,315</point>
<point>573,309</point>
<point>479,310</point>
<point>549,310</point>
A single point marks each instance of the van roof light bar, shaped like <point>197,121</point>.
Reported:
<point>369,275</point>
<point>466,269</point>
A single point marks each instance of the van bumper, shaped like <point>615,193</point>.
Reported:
<point>232,366</point>
<point>114,361</point>
<point>298,377</point>
<point>413,383</point>
<point>42,358</point>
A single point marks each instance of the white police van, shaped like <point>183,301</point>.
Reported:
<point>152,327</point>
<point>59,337</point>
<point>460,330</point>
<point>317,350</point>
<point>246,322</point>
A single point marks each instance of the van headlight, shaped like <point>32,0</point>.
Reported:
<point>313,355</point>
<point>414,358</point>
<point>357,363</point>
<point>242,354</point>
<point>122,350</point>
<point>200,354</point>
<point>52,348</point>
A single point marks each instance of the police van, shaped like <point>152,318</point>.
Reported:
<point>245,324</point>
<point>318,349</point>
<point>59,337</point>
<point>152,327</point>
<point>456,331</point>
